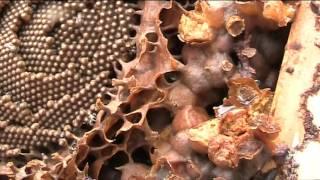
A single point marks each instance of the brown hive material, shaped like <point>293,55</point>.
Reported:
<point>56,58</point>
<point>160,122</point>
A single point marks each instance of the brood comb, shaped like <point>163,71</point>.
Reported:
<point>56,58</point>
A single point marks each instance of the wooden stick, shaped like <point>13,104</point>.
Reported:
<point>298,69</point>
<point>296,75</point>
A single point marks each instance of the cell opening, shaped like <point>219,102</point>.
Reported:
<point>182,2</point>
<point>136,19</point>
<point>141,155</point>
<point>105,98</point>
<point>132,53</point>
<point>85,127</point>
<point>175,45</point>
<point>108,172</point>
<point>125,108</point>
<point>44,150</point>
<point>96,140</point>
<point>118,66</point>
<point>170,17</point>
<point>132,33</point>
<point>28,170</point>
<point>119,159</point>
<point>134,118</point>
<point>119,139</point>
<point>111,132</point>
<point>151,47</point>
<point>25,151</point>
<point>152,37</point>
<point>88,160</point>
<point>159,118</point>
<point>168,78</point>
<point>217,102</point>
<point>234,58</point>
<point>172,76</point>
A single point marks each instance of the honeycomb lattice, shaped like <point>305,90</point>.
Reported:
<point>56,58</point>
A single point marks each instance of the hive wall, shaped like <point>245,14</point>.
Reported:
<point>160,78</point>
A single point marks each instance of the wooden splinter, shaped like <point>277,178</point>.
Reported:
<point>296,76</point>
<point>299,67</point>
